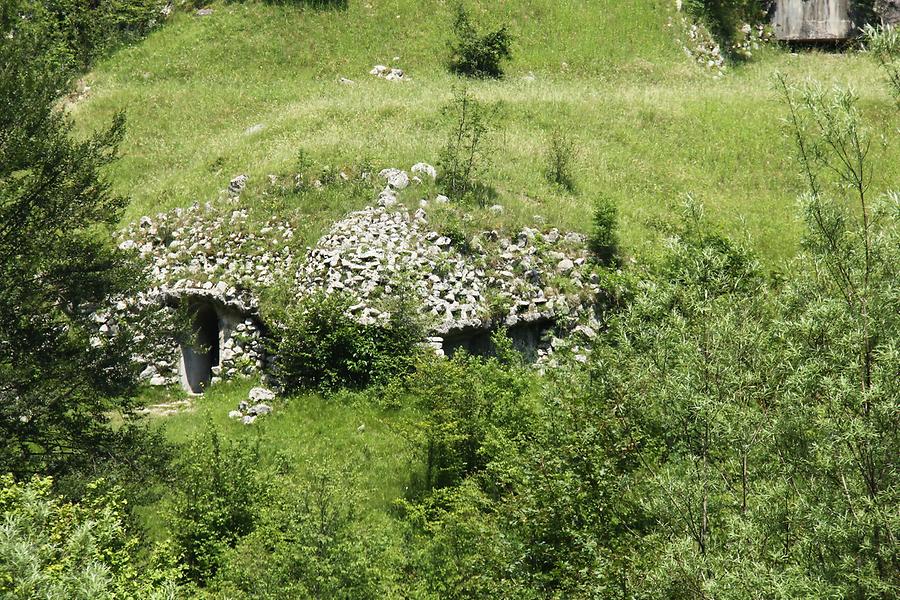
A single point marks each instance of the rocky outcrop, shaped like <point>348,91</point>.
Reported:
<point>388,73</point>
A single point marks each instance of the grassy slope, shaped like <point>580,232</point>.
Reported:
<point>652,126</point>
<point>304,434</point>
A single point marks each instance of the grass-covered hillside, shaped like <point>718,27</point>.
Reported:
<point>652,126</point>
<point>699,423</point>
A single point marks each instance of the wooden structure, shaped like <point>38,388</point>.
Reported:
<point>812,20</point>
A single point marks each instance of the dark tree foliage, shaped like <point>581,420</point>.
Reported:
<point>321,347</point>
<point>57,384</point>
<point>477,54</point>
<point>604,238</point>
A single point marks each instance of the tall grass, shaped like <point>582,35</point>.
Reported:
<point>652,126</point>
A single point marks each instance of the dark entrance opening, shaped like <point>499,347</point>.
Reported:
<point>202,354</point>
<point>525,337</point>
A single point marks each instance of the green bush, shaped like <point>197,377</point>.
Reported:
<point>86,29</point>
<point>54,549</point>
<point>311,543</point>
<point>460,548</point>
<point>218,491</point>
<point>320,346</point>
<point>477,54</point>
<point>466,402</point>
<point>604,237</point>
<point>562,153</point>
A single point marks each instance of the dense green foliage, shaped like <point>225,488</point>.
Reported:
<point>477,54</point>
<point>733,437</point>
<point>732,433</point>
<point>729,441</point>
<point>91,28</point>
<point>59,381</point>
<point>60,550</point>
<point>80,31</point>
<point>320,346</point>
<point>310,543</point>
<point>219,487</point>
<point>247,525</point>
<point>604,238</point>
<point>462,400</point>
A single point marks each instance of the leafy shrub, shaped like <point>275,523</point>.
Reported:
<point>477,54</point>
<point>466,400</point>
<point>50,548</point>
<point>604,238</point>
<point>462,550</point>
<point>561,156</point>
<point>310,543</point>
<point>86,29</point>
<point>321,347</point>
<point>97,27</point>
<point>218,490</point>
<point>463,159</point>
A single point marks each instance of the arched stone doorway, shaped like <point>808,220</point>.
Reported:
<point>202,353</point>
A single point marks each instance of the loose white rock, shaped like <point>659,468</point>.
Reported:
<point>237,185</point>
<point>396,178</point>
<point>260,394</point>
<point>565,266</point>
<point>425,169</point>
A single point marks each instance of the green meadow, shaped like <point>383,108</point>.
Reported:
<point>651,126</point>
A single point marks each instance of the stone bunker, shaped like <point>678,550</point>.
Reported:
<point>530,338</point>
<point>212,342</point>
<point>210,264</point>
<point>812,20</point>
